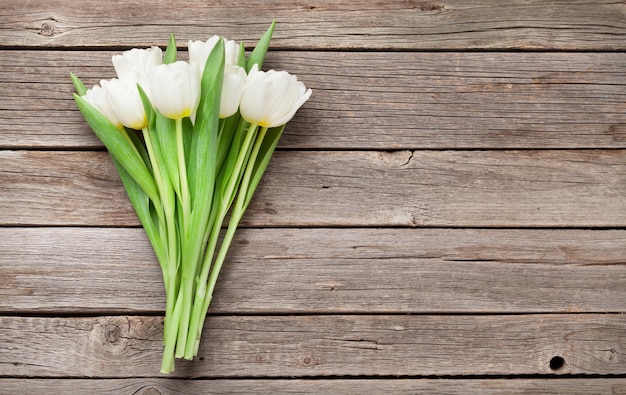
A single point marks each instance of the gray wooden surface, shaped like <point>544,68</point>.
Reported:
<point>463,386</point>
<point>353,270</point>
<point>447,214</point>
<point>371,100</point>
<point>321,345</point>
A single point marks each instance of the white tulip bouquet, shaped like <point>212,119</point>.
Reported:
<point>191,141</point>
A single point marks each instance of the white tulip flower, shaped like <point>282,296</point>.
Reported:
<point>231,53</point>
<point>272,98</point>
<point>234,76</point>
<point>175,89</point>
<point>96,96</point>
<point>123,96</point>
<point>199,52</point>
<point>137,63</point>
<point>232,88</point>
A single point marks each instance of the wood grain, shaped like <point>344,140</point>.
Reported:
<point>321,188</point>
<point>445,215</point>
<point>399,100</point>
<point>64,184</point>
<point>269,271</point>
<point>327,24</point>
<point>348,345</point>
<point>616,386</point>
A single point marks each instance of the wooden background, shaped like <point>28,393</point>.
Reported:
<point>447,214</point>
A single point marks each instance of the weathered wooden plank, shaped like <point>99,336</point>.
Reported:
<point>269,271</point>
<point>370,100</point>
<point>328,24</point>
<point>67,183</point>
<point>299,346</point>
<point>320,188</point>
<point>144,386</point>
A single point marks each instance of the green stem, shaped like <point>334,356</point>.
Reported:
<point>235,217</point>
<point>158,177</point>
<point>169,279</point>
<point>245,183</point>
<point>199,311</point>
<point>167,364</point>
<point>188,258</point>
<point>234,178</point>
<point>220,128</point>
<point>182,170</point>
<point>155,199</point>
<point>186,294</point>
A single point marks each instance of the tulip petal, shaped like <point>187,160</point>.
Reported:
<point>96,96</point>
<point>232,89</point>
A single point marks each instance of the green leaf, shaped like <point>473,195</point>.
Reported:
<point>233,170</point>
<point>170,51</point>
<point>258,54</point>
<point>241,59</point>
<point>201,169</point>
<point>187,137</point>
<point>162,131</point>
<point>202,158</point>
<point>229,162</point>
<point>120,147</point>
<point>201,181</point>
<point>78,85</point>
<point>266,151</point>
<point>164,138</point>
<point>147,105</point>
<point>228,130</point>
<point>132,134</point>
<point>141,203</point>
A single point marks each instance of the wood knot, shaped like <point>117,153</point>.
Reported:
<point>309,362</point>
<point>426,7</point>
<point>111,333</point>
<point>395,159</point>
<point>48,28</point>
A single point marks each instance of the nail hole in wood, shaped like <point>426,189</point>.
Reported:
<point>557,363</point>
